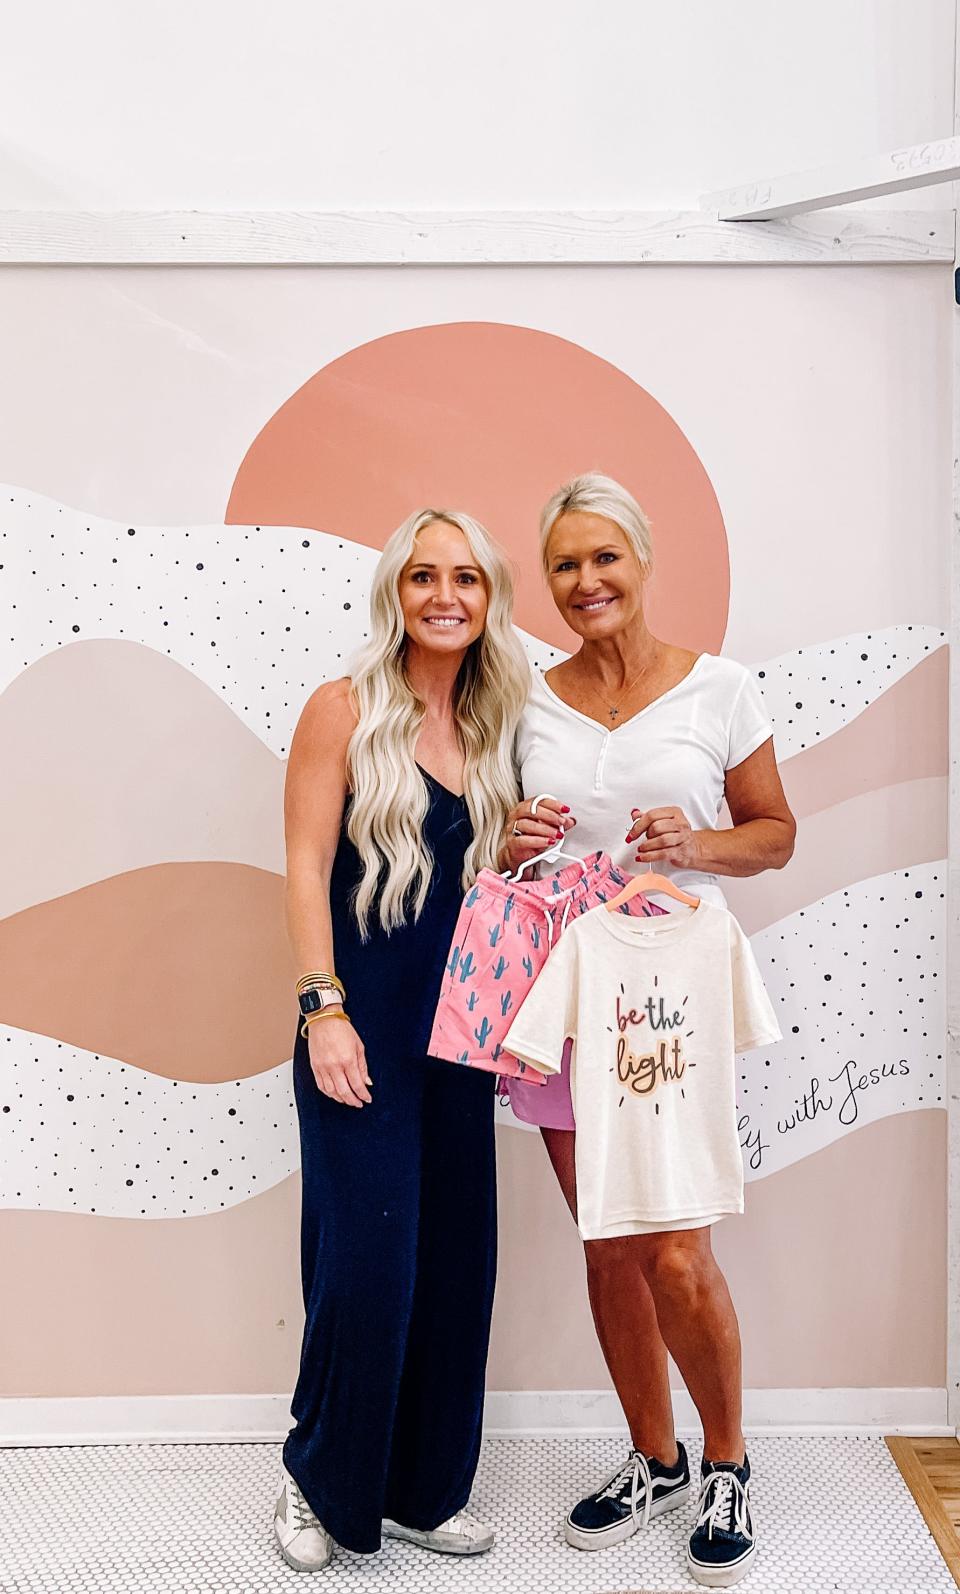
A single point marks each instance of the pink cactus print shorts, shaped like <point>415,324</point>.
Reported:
<point>502,940</point>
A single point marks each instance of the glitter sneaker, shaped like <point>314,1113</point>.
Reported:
<point>304,1544</point>
<point>461,1534</point>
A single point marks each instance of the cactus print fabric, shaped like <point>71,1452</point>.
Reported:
<point>502,940</point>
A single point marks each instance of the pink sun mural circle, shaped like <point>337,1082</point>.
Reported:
<point>490,418</point>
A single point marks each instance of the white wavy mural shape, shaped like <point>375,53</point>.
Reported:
<point>262,614</point>
<point>814,691</point>
<point>132,1144</point>
<point>128,1144</point>
<point>857,983</point>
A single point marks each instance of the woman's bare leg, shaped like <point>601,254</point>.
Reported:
<point>626,1321</point>
<point>699,1325</point>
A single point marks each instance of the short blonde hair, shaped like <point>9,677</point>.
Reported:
<point>596,494</point>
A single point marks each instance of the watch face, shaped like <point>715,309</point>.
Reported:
<point>310,1001</point>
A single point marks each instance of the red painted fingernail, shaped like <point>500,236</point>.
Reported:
<point>565,809</point>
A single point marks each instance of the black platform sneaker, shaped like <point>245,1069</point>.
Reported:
<point>639,1489</point>
<point>722,1547</point>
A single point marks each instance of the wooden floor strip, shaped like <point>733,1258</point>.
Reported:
<point>945,1459</point>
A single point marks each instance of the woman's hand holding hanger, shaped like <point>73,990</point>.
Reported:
<point>527,834</point>
<point>670,838</point>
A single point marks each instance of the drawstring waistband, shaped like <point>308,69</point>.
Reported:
<point>545,909</point>
<point>546,902</point>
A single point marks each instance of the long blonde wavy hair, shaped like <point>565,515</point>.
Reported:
<point>389,794</point>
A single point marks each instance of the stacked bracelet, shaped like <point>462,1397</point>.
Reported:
<point>319,991</point>
<point>319,978</point>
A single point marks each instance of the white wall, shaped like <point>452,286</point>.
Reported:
<point>432,104</point>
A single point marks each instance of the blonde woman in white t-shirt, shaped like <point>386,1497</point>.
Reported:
<point>640,741</point>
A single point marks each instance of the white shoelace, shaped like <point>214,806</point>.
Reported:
<point>634,1471</point>
<point>724,1504</point>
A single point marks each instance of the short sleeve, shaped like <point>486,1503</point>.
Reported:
<point>548,1015</point>
<point>750,724</point>
<point>754,1021</point>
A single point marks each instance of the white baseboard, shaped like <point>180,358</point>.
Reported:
<point>597,1411</point>
<point>233,1419</point>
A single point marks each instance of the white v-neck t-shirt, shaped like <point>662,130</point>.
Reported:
<point>676,751</point>
<point>656,1008</point>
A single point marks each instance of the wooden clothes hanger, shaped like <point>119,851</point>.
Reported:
<point>648,880</point>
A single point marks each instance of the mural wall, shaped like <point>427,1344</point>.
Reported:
<point>190,520</point>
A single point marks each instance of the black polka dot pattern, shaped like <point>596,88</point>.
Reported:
<point>857,985</point>
<point>813,692</point>
<point>85,1133</point>
<point>261,614</point>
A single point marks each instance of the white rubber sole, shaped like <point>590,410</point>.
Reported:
<point>605,1538</point>
<point>721,1576</point>
<point>291,1558</point>
<point>426,1541</point>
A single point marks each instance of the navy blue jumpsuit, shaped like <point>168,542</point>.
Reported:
<point>398,1230</point>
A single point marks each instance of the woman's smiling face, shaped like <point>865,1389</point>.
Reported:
<point>594,575</point>
<point>443,593</point>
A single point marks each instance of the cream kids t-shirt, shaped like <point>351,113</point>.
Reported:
<point>657,1009</point>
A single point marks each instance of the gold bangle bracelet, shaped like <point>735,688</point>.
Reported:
<point>317,974</point>
<point>319,978</point>
<point>329,1012</point>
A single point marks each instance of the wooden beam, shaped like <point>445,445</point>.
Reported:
<point>460,238</point>
<point>928,1501</point>
<point>775,198</point>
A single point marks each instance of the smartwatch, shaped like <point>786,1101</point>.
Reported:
<point>316,997</point>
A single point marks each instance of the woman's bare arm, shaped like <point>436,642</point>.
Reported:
<point>763,834</point>
<point>314,797</point>
<point>764,830</point>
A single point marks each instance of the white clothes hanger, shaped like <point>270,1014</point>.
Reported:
<point>551,854</point>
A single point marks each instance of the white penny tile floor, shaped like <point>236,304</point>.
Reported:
<point>833,1514</point>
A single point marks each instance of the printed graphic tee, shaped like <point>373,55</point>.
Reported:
<point>657,1010</point>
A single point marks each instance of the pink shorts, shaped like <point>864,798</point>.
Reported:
<point>502,939</point>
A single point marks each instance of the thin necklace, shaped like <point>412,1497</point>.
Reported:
<point>613,709</point>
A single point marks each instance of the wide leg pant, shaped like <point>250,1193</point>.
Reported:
<point>398,1255</point>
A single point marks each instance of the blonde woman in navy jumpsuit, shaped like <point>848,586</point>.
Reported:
<point>398,783</point>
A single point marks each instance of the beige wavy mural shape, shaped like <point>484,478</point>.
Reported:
<point>182,970</point>
<point>866,836</point>
<point>901,736</point>
<point>107,788</point>
<point>253,636</point>
<point>187,1284</point>
<point>211,937</point>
